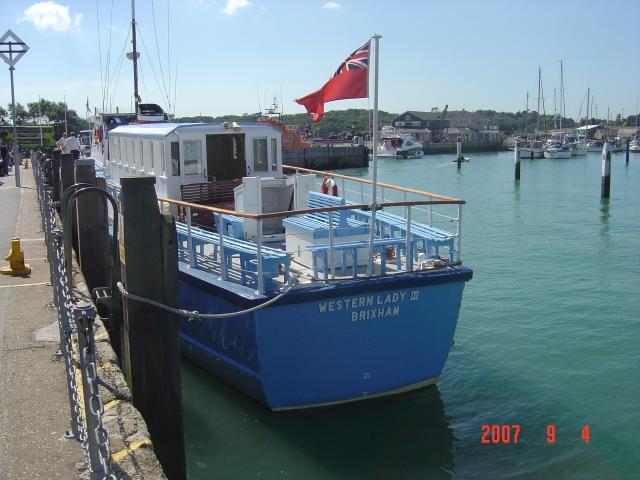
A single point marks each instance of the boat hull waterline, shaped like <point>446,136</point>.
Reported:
<point>327,344</point>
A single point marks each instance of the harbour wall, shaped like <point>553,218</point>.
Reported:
<point>326,158</point>
<point>437,148</point>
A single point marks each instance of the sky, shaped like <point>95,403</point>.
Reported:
<point>215,57</point>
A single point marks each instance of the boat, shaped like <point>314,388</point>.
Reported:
<point>400,146</point>
<point>320,298</point>
<point>595,145</point>
<point>531,149</point>
<point>577,145</point>
<point>557,150</point>
<point>292,137</point>
<point>634,146</point>
<point>351,323</point>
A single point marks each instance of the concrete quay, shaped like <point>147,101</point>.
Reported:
<point>34,405</point>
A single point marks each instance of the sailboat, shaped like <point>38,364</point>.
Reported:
<point>532,146</point>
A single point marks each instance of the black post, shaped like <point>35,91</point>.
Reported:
<point>55,174</point>
<point>93,249</point>
<point>626,154</point>
<point>152,354</point>
<point>517,160</point>
<point>606,171</point>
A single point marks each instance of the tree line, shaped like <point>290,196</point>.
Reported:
<point>45,112</point>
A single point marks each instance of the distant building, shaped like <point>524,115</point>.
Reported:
<point>471,127</point>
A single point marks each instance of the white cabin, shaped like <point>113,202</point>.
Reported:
<point>184,153</point>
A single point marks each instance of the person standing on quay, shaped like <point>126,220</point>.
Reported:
<point>4,156</point>
<point>72,145</point>
<point>60,143</point>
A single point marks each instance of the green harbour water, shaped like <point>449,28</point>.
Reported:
<point>548,334</point>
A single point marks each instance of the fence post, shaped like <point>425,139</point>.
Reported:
<point>152,352</point>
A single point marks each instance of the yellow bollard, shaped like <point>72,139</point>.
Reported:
<point>15,257</point>
<point>25,163</point>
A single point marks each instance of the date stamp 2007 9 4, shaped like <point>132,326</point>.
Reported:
<point>510,434</point>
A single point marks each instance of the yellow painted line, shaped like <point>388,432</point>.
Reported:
<point>116,457</point>
<point>111,404</point>
<point>32,239</point>
<point>24,285</point>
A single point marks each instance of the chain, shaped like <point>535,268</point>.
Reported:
<point>99,458</point>
<point>194,314</point>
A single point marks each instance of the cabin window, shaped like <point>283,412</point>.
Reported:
<point>260,155</point>
<point>192,151</point>
<point>175,159</point>
<point>274,155</point>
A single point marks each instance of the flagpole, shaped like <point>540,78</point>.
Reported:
<point>374,200</point>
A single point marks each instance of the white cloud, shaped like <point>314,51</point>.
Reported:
<point>50,15</point>
<point>232,6</point>
<point>332,6</point>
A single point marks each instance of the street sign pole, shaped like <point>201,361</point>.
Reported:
<point>12,45</point>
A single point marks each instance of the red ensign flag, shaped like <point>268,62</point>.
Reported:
<point>349,81</point>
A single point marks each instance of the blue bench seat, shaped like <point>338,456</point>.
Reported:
<point>320,254</point>
<point>428,238</point>
<point>247,253</point>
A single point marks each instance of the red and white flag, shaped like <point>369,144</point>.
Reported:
<point>351,80</point>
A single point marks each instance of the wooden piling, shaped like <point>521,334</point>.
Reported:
<point>517,160</point>
<point>55,174</point>
<point>606,171</point>
<point>459,157</point>
<point>152,356</point>
<point>626,152</point>
<point>91,224</point>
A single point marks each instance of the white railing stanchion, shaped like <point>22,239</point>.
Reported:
<point>409,253</point>
<point>430,213</point>
<point>361,192</point>
<point>344,192</point>
<point>331,263</point>
<point>459,232</point>
<point>404,199</point>
<point>192,260</point>
<point>223,261</point>
<point>259,259</point>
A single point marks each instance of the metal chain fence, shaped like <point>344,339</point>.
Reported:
<point>77,343</point>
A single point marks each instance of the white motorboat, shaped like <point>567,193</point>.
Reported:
<point>557,150</point>
<point>531,149</point>
<point>635,146</point>
<point>400,146</point>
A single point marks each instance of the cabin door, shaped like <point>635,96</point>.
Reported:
<point>225,157</point>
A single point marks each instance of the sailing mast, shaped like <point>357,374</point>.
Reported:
<point>134,55</point>
<point>538,114</point>
<point>562,112</point>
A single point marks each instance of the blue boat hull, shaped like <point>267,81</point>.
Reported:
<point>326,344</point>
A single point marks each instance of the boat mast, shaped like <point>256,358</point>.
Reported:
<point>538,114</point>
<point>134,55</point>
<point>526,116</point>
<point>562,112</point>
<point>586,122</point>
